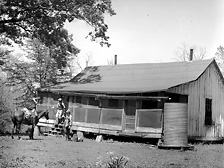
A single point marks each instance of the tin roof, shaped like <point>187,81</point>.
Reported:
<point>133,78</point>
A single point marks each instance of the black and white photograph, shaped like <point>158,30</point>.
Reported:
<point>112,83</point>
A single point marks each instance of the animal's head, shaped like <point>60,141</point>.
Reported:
<point>46,114</point>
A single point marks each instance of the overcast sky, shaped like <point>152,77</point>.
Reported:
<point>144,31</point>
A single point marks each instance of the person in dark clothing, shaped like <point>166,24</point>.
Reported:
<point>31,110</point>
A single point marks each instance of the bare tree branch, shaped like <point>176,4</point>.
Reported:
<point>183,53</point>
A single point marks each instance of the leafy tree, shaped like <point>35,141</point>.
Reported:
<point>219,56</point>
<point>3,55</point>
<point>183,53</point>
<point>45,19</point>
<point>6,105</point>
<point>36,69</point>
<point>20,75</point>
<point>39,25</point>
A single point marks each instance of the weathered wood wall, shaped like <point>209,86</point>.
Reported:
<point>208,85</point>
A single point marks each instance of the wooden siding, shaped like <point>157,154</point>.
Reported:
<point>208,85</point>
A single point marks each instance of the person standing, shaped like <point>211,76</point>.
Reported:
<point>60,111</point>
<point>68,124</point>
<point>35,102</point>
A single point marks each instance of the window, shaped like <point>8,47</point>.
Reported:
<point>208,111</point>
<point>78,99</point>
<point>41,100</point>
<point>71,99</point>
<point>44,100</point>
<point>93,101</point>
<point>84,100</point>
<point>149,104</point>
<point>113,103</point>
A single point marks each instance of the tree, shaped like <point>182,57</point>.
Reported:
<point>219,56</point>
<point>44,20</point>
<point>183,53</point>
<point>38,69</point>
<point>39,25</point>
<point>89,60</point>
<point>110,61</point>
<point>6,105</point>
<point>3,55</point>
<point>85,62</point>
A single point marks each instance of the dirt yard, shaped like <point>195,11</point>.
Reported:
<point>55,152</point>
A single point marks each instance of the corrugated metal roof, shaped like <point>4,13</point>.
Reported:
<point>133,78</point>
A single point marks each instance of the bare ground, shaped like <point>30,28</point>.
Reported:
<point>55,152</point>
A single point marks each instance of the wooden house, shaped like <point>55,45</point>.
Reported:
<point>129,99</point>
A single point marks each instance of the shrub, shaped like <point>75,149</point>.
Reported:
<point>5,123</point>
<point>112,162</point>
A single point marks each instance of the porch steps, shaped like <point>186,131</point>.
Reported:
<point>58,129</point>
<point>130,123</point>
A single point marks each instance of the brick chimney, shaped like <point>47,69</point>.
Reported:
<point>115,59</point>
<point>191,55</point>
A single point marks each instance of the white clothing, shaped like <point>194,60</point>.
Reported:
<point>59,113</point>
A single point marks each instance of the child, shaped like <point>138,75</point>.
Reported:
<point>68,124</point>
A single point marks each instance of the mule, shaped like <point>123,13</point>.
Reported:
<point>19,117</point>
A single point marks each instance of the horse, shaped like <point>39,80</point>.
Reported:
<point>19,117</point>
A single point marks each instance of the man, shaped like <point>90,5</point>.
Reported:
<point>31,110</point>
<point>35,102</point>
<point>60,111</point>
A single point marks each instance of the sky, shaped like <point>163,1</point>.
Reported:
<point>149,31</point>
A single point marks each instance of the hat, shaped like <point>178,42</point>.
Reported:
<point>60,99</point>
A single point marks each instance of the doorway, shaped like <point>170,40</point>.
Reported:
<point>130,111</point>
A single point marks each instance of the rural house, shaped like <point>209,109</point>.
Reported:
<point>128,99</point>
